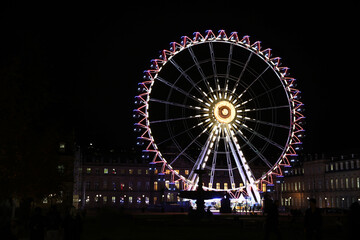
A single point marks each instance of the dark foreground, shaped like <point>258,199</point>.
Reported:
<point>115,225</point>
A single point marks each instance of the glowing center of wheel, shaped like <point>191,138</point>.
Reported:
<point>224,112</point>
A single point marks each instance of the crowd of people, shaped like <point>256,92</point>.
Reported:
<point>49,224</point>
<point>313,221</point>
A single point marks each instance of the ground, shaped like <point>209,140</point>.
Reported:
<point>115,225</point>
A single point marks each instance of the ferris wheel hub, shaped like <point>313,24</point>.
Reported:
<point>224,112</point>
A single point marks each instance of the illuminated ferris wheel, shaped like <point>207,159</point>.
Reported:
<point>222,104</point>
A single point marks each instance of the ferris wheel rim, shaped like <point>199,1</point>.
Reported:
<point>273,63</point>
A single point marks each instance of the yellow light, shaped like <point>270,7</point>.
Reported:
<point>224,112</point>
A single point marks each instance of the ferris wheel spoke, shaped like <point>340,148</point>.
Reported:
<point>242,73</point>
<point>175,119</point>
<point>213,62</point>
<point>245,172</point>
<point>228,160</point>
<point>261,109</point>
<point>213,163</point>
<point>181,133</point>
<point>174,104</point>
<point>187,77</point>
<point>257,78</point>
<point>199,69</point>
<point>262,136</point>
<point>191,143</point>
<point>204,155</point>
<point>265,122</point>
<point>255,150</point>
<point>259,95</point>
<point>180,90</point>
<point>228,69</point>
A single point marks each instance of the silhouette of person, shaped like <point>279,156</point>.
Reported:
<point>272,219</point>
<point>36,225</point>
<point>354,220</point>
<point>313,221</point>
<point>53,221</point>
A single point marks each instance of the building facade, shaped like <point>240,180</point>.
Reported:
<point>334,182</point>
<point>120,178</point>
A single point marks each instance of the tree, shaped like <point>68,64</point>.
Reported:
<point>29,131</point>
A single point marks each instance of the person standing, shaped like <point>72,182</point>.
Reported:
<point>272,219</point>
<point>313,221</point>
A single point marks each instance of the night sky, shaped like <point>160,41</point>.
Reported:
<point>94,55</point>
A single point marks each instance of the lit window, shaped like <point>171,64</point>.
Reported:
<point>210,185</point>
<point>130,200</point>
<point>177,171</point>
<point>177,184</point>
<point>167,171</point>
<point>167,184</point>
<point>87,199</point>
<point>139,172</point>
<point>341,182</point>
<point>186,172</point>
<point>147,200</point>
<point>155,186</point>
<point>113,171</point>
<point>88,170</point>
<point>225,186</point>
<point>347,182</point>
<point>264,187</point>
<point>336,183</point>
<point>131,171</point>
<point>61,169</point>
<point>62,147</point>
<point>106,170</point>
<point>217,185</point>
<point>105,199</point>
<point>113,199</point>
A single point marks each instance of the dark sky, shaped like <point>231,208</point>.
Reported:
<point>94,55</point>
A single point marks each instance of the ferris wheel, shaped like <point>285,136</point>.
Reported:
<point>222,104</point>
